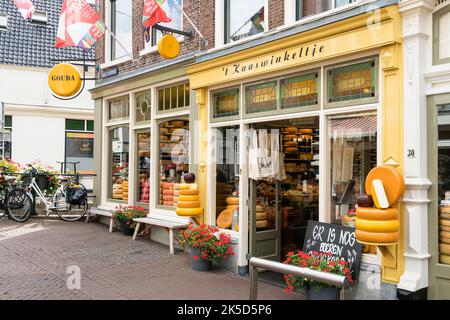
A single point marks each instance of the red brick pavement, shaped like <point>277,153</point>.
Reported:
<point>34,258</point>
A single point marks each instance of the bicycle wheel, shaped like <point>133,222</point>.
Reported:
<point>18,205</point>
<point>69,212</point>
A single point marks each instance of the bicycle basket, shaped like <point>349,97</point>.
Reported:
<point>76,195</point>
<point>41,180</point>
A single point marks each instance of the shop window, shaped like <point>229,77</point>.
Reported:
<point>121,26</point>
<point>244,19</point>
<point>7,137</point>
<point>441,36</point>
<point>306,8</point>
<point>78,125</point>
<point>119,109</point>
<point>89,125</point>
<point>174,97</point>
<point>152,36</point>
<point>143,107</point>
<point>143,167</point>
<point>353,151</point>
<point>299,91</point>
<point>261,97</point>
<point>225,104</point>
<point>173,159</point>
<point>352,82</point>
<point>227,171</point>
<point>80,148</point>
<point>119,144</point>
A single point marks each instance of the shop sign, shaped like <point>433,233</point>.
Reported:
<point>64,80</point>
<point>338,240</point>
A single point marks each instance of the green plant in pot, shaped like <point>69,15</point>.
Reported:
<point>319,261</point>
<point>206,245</point>
<point>125,215</point>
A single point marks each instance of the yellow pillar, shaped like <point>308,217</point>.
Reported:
<point>392,146</point>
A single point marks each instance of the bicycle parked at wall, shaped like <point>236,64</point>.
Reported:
<point>70,200</point>
<point>14,201</point>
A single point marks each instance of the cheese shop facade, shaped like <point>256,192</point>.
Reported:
<point>289,126</point>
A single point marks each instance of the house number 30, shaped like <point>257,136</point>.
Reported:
<point>411,153</point>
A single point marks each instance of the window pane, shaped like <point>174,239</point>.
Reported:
<point>444,36</point>
<point>119,108</point>
<point>227,169</point>
<point>8,121</point>
<point>261,97</point>
<point>340,3</point>
<point>121,18</point>
<point>119,144</point>
<point>173,97</point>
<point>307,8</point>
<point>143,172</point>
<point>72,124</point>
<point>299,91</point>
<point>90,125</point>
<point>351,82</point>
<point>243,19</point>
<point>225,103</point>
<point>177,22</point>
<point>143,108</point>
<point>80,148</point>
<point>173,159</point>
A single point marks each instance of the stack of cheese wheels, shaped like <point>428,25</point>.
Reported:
<point>381,225</point>
<point>167,194</point>
<point>232,202</point>
<point>444,235</point>
<point>261,217</point>
<point>125,190</point>
<point>117,191</point>
<point>188,204</point>
<point>225,217</point>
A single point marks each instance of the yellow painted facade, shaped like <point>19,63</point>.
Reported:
<point>378,31</point>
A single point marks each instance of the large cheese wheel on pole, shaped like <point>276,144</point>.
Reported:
<point>188,204</point>
<point>377,238</point>
<point>169,47</point>
<point>188,198</point>
<point>377,214</point>
<point>189,192</point>
<point>377,225</point>
<point>393,183</point>
<point>189,212</point>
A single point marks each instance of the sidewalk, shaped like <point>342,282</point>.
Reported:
<point>34,258</point>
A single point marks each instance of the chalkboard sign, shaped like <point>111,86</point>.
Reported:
<point>338,240</point>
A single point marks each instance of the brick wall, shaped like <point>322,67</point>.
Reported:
<point>276,13</point>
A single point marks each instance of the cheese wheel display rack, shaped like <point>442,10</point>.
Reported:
<point>143,167</point>
<point>444,234</point>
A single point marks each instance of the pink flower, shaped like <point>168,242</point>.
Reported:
<point>195,257</point>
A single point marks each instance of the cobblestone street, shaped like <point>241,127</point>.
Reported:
<point>34,258</point>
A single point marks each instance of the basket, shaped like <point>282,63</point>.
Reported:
<point>41,180</point>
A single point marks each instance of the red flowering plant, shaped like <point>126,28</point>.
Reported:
<point>126,214</point>
<point>319,261</point>
<point>213,247</point>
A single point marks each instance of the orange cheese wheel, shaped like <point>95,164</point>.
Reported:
<point>444,248</point>
<point>188,204</point>
<point>444,234</point>
<point>167,185</point>
<point>189,192</point>
<point>189,212</point>
<point>167,198</point>
<point>262,224</point>
<point>377,237</point>
<point>168,203</point>
<point>445,216</point>
<point>167,191</point>
<point>176,192</point>
<point>290,144</point>
<point>291,150</point>
<point>306,131</point>
<point>444,210</point>
<point>444,228</point>
<point>232,206</point>
<point>444,222</point>
<point>261,216</point>
<point>444,240</point>
<point>290,136</point>
<point>188,198</point>
<point>290,130</point>
<point>377,225</point>
<point>445,259</point>
<point>377,214</point>
<point>224,220</point>
<point>169,47</point>
<point>233,200</point>
<point>393,183</point>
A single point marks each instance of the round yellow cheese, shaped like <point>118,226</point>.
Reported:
<point>188,198</point>
<point>188,212</point>
<point>377,225</point>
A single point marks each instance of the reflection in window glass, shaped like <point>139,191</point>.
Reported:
<point>174,97</point>
<point>299,91</point>
<point>119,109</point>
<point>173,159</point>
<point>225,103</point>
<point>143,107</point>
<point>119,144</point>
<point>307,8</point>
<point>152,36</point>
<point>143,167</point>
<point>121,26</point>
<point>243,19</point>
<point>261,97</point>
<point>227,172</point>
<point>80,148</point>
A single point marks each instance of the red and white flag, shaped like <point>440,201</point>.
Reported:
<point>79,25</point>
<point>153,13</point>
<point>25,7</point>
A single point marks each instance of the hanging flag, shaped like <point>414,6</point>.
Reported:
<point>153,13</point>
<point>79,25</point>
<point>25,7</point>
<point>257,20</point>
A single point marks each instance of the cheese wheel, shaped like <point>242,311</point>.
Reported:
<point>184,186</point>
<point>176,192</point>
<point>444,248</point>
<point>188,198</point>
<point>167,191</point>
<point>291,150</point>
<point>290,144</point>
<point>290,130</point>
<point>167,185</point>
<point>168,203</point>
<point>444,222</point>
<point>232,206</point>
<point>260,208</point>
<point>445,216</point>
<point>176,186</point>
<point>377,225</point>
<point>444,234</point>
<point>444,210</point>
<point>444,228</point>
<point>445,259</point>
<point>377,214</point>
<point>167,198</point>
<point>232,200</point>
<point>189,192</point>
<point>177,123</point>
<point>188,204</point>
<point>393,183</point>
<point>187,212</point>
<point>262,224</point>
<point>377,237</point>
<point>379,194</point>
<point>306,131</point>
<point>261,216</point>
<point>225,218</point>
<point>349,220</point>
<point>444,240</point>
<point>290,136</point>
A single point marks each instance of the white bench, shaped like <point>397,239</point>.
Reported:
<point>101,212</point>
<point>170,225</point>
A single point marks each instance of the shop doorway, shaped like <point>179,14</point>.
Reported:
<point>280,207</point>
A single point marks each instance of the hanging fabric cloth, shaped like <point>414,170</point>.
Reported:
<point>264,160</point>
<point>253,155</point>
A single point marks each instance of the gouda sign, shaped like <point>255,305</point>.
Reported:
<point>64,80</point>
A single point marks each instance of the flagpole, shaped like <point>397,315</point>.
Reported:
<point>189,20</point>
<point>120,43</point>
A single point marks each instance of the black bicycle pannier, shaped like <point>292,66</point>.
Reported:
<point>76,195</point>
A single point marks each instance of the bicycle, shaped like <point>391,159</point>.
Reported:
<point>69,201</point>
<point>14,201</point>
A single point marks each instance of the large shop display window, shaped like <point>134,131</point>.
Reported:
<point>143,167</point>
<point>227,176</point>
<point>119,144</point>
<point>244,19</point>
<point>444,182</point>
<point>173,159</point>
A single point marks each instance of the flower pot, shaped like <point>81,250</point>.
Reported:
<point>197,263</point>
<point>125,227</point>
<point>329,293</point>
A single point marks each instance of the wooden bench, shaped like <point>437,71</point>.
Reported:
<point>170,225</point>
<point>101,212</point>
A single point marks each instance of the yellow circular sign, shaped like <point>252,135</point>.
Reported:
<point>169,47</point>
<point>64,80</point>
